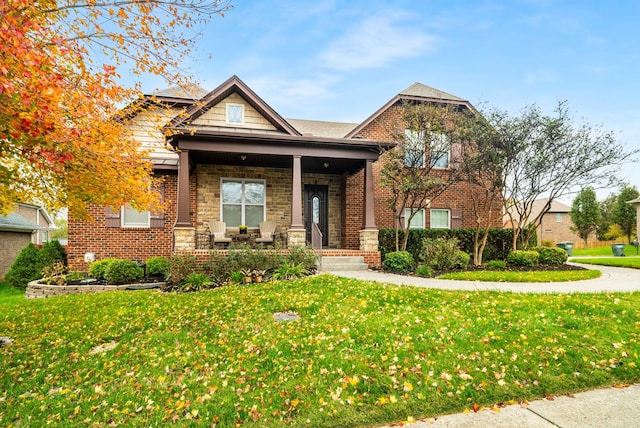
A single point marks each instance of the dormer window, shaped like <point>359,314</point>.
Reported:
<point>235,114</point>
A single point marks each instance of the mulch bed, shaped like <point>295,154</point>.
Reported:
<point>538,268</point>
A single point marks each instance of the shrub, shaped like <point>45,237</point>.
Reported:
<point>123,272</point>
<point>398,261</point>
<point>52,252</point>
<point>288,271</point>
<point>302,255</point>
<point>523,258</point>
<point>26,268</point>
<point>462,260</point>
<point>98,268</point>
<point>498,246</point>
<point>551,256</point>
<point>54,274</point>
<point>424,271</point>
<point>159,266</point>
<point>547,243</point>
<point>495,264</point>
<point>196,282</point>
<point>443,254</point>
<point>180,268</point>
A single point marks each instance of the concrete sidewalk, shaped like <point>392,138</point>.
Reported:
<point>610,407</point>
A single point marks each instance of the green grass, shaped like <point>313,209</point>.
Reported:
<point>628,262</point>
<point>535,276</point>
<point>9,295</point>
<point>629,250</point>
<point>361,354</point>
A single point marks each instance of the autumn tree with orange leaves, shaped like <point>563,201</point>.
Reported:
<point>63,141</point>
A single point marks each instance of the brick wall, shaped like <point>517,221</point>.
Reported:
<point>11,243</point>
<point>457,196</point>
<point>559,231</point>
<point>128,243</point>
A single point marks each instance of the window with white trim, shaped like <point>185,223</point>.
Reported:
<point>440,219</point>
<point>131,217</point>
<point>558,217</point>
<point>235,114</point>
<point>413,148</point>
<point>417,222</point>
<point>242,202</point>
<point>414,151</point>
<point>439,150</point>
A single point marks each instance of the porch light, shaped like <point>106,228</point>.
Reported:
<point>326,164</point>
<point>243,157</point>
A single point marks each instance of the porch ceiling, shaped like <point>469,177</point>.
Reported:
<point>309,164</point>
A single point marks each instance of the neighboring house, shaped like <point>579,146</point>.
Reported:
<point>238,161</point>
<point>555,225</point>
<point>28,223</point>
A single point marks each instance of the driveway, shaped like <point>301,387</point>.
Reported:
<point>613,279</point>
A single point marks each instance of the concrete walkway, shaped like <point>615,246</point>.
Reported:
<point>608,407</point>
<point>613,279</point>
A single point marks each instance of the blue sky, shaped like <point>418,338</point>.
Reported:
<point>342,60</point>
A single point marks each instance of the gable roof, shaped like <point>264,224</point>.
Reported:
<point>191,92</point>
<point>318,128</point>
<point>416,92</point>
<point>424,91</point>
<point>233,85</point>
<point>16,223</point>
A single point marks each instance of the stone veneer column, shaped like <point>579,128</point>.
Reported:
<point>369,240</point>
<point>369,235</point>
<point>184,239</point>
<point>369,207</point>
<point>184,234</point>
<point>296,235</point>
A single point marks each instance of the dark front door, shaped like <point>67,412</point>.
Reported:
<point>316,209</point>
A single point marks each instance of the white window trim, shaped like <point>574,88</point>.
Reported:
<point>448,218</point>
<point>227,114</point>
<point>407,212</point>
<point>242,203</point>
<point>139,225</point>
<point>558,217</point>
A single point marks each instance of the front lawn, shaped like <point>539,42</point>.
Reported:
<point>628,262</point>
<point>9,295</point>
<point>523,276</point>
<point>629,250</point>
<point>361,353</point>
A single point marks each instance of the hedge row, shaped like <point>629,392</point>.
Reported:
<point>498,243</point>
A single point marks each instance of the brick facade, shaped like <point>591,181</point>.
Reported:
<point>458,196</point>
<point>556,227</point>
<point>129,243</point>
<point>211,148</point>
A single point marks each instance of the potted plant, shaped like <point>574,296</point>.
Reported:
<point>243,230</point>
<point>257,275</point>
<point>246,276</point>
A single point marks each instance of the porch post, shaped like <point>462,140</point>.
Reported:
<point>183,218</point>
<point>296,198</point>
<point>369,208</point>
<point>296,235</point>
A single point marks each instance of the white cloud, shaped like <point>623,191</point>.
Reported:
<point>538,77</point>
<point>376,42</point>
<point>283,91</point>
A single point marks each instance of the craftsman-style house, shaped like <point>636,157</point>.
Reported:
<point>233,159</point>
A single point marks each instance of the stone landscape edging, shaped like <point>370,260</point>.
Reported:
<point>35,290</point>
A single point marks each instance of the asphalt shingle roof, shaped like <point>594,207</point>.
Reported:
<point>13,221</point>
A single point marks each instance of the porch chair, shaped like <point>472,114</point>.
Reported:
<point>267,231</point>
<point>218,230</point>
